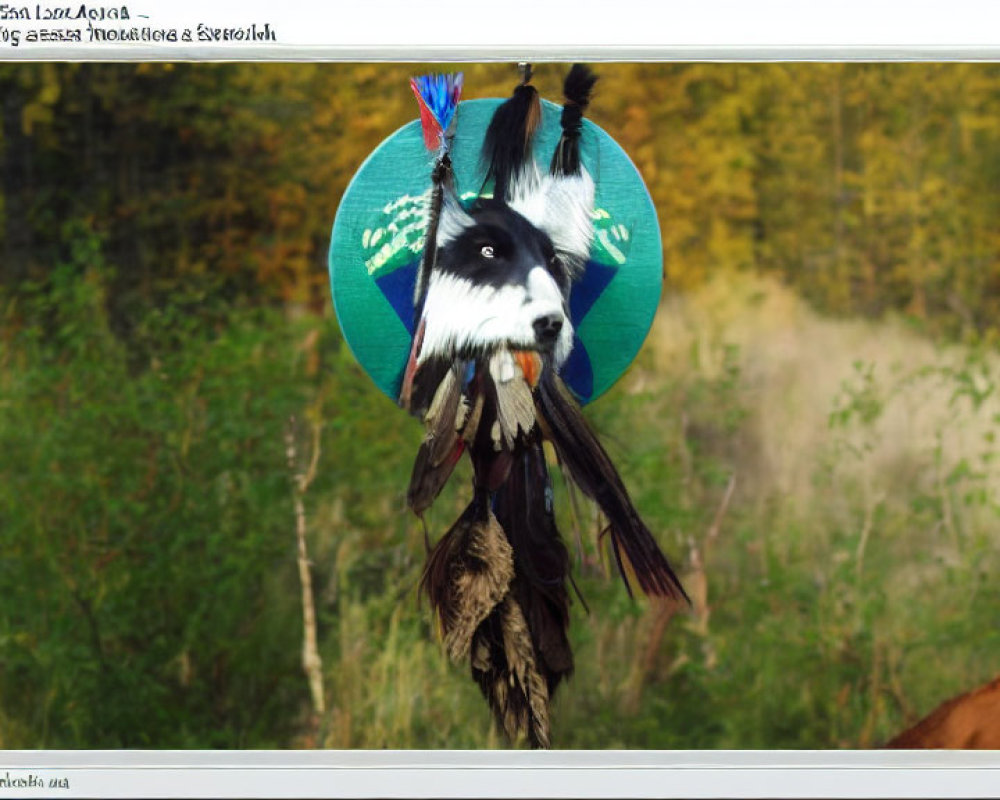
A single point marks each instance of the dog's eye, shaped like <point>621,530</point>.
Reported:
<point>486,251</point>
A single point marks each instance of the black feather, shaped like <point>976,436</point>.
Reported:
<point>507,699</point>
<point>428,479</point>
<point>431,469</point>
<point>491,459</point>
<point>442,446</point>
<point>523,507</point>
<point>577,88</point>
<point>591,468</point>
<point>426,381</point>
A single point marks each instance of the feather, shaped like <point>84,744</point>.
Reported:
<point>423,384</point>
<point>491,456</point>
<point>410,372</point>
<point>503,664</point>
<point>592,470</point>
<point>499,469</point>
<point>442,418</point>
<point>528,681</point>
<point>523,507</point>
<point>437,97</point>
<point>577,89</point>
<point>470,425</point>
<point>514,403</point>
<point>531,365</point>
<point>468,574</point>
<point>427,479</point>
<point>442,446</point>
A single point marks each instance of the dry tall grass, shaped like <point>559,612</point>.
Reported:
<point>795,364</point>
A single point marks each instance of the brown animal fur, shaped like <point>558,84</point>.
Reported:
<point>968,722</point>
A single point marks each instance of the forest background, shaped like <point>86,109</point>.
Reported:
<point>810,428</point>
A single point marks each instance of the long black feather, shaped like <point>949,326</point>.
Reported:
<point>523,507</point>
<point>590,467</point>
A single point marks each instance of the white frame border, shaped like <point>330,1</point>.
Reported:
<point>455,774</point>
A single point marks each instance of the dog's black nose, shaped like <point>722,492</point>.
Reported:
<point>547,327</point>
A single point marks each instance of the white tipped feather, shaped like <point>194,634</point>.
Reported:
<point>515,405</point>
<point>502,366</point>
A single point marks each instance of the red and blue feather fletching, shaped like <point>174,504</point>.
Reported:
<point>437,97</point>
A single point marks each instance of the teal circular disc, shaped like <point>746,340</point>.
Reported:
<point>380,227</point>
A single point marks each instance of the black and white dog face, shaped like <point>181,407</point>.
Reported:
<point>498,281</point>
<point>504,269</point>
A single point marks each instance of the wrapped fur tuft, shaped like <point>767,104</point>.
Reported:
<point>577,90</point>
<point>507,145</point>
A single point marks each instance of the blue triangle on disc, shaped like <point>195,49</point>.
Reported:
<point>577,372</point>
<point>397,287</point>
<point>588,289</point>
